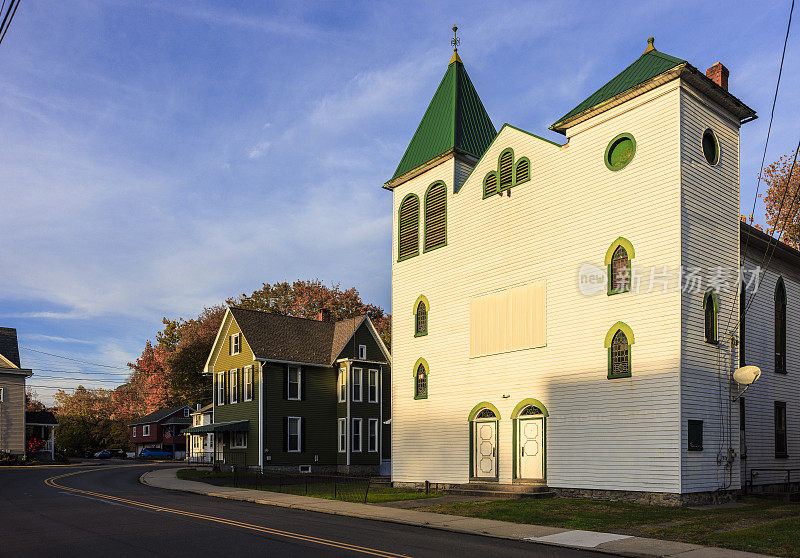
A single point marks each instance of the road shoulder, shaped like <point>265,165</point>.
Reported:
<point>585,540</point>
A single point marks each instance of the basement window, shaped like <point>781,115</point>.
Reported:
<point>695,435</point>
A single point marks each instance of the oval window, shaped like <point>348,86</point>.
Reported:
<point>620,151</point>
<point>710,147</point>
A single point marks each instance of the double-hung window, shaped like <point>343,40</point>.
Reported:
<point>342,435</point>
<point>146,430</point>
<point>234,383</point>
<point>293,383</point>
<point>356,435</point>
<point>134,431</point>
<point>372,435</point>
<point>239,440</point>
<point>236,344</point>
<point>362,352</point>
<point>372,386</point>
<point>357,386</point>
<point>781,446</point>
<point>342,385</point>
<point>1,395</point>
<point>248,383</point>
<point>220,388</point>
<point>293,434</point>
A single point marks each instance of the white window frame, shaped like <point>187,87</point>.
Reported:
<point>299,422</point>
<point>146,430</point>
<point>248,383</point>
<point>1,394</point>
<point>235,344</point>
<point>221,388</point>
<point>341,385</point>
<point>372,447</point>
<point>372,374</point>
<point>234,384</point>
<point>134,431</point>
<point>356,435</point>
<point>342,433</point>
<point>362,352</point>
<point>299,383</point>
<point>234,442</point>
<point>358,395</point>
<point>186,412</point>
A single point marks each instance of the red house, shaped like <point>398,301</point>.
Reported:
<point>162,429</point>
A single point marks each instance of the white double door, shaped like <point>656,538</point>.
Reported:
<point>530,448</point>
<point>485,446</point>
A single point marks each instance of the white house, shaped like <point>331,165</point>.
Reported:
<point>550,300</point>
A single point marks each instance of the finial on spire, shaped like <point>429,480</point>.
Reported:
<point>455,41</point>
<point>650,45</point>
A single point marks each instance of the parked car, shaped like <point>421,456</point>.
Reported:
<point>155,453</point>
<point>109,453</point>
<point>103,454</point>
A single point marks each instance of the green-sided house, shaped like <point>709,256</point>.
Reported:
<point>296,394</point>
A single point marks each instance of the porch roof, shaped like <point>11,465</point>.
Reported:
<point>234,426</point>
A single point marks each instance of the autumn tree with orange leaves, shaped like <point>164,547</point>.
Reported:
<point>781,199</point>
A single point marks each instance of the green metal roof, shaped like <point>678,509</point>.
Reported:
<point>647,66</point>
<point>455,118</point>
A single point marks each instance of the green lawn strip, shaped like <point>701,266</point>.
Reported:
<point>345,491</point>
<point>765,526</point>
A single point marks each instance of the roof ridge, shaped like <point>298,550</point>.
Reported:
<point>298,317</point>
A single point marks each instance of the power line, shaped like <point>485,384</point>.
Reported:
<point>36,369</point>
<point>9,16</point>
<point>75,359</point>
<point>764,155</point>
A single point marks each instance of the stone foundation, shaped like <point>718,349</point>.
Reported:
<point>652,498</point>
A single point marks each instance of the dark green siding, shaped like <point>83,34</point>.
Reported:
<point>317,408</point>
<point>363,336</point>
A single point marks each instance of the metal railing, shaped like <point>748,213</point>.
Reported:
<point>755,473</point>
<point>218,458</point>
<point>338,487</point>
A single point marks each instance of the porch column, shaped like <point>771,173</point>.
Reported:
<point>52,443</point>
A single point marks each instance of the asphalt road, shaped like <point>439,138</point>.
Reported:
<point>43,520</point>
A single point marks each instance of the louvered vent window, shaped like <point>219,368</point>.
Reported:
<point>490,185</point>
<point>435,216</point>
<point>506,164</point>
<point>408,237</point>
<point>523,171</point>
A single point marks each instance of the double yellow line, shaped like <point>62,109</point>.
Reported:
<point>297,536</point>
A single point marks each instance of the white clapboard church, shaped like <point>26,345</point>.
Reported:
<point>565,315</point>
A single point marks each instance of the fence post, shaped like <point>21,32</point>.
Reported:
<point>366,492</point>
<point>427,487</point>
<point>306,486</point>
<point>334,489</point>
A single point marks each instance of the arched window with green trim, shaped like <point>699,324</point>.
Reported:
<point>780,326</point>
<point>505,167</point>
<point>490,184</point>
<point>408,228</point>
<point>710,316</point>
<point>421,379</point>
<point>618,262</point>
<point>522,170</point>
<point>618,342</point>
<point>421,319</point>
<point>435,216</point>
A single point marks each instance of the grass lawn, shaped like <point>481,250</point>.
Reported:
<point>349,492</point>
<point>761,525</point>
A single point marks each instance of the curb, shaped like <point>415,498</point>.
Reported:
<point>607,543</point>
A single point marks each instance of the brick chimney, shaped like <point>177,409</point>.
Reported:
<point>719,75</point>
<point>324,315</point>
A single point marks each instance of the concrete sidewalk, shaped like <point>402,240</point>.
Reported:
<point>603,542</point>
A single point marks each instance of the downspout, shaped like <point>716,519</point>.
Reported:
<point>260,416</point>
<point>380,417</point>
<point>348,387</point>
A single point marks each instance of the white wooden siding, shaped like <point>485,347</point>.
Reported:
<point>709,240</point>
<point>771,386</point>
<point>605,434</point>
<point>508,320</point>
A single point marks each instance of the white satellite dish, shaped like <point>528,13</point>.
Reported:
<point>747,375</point>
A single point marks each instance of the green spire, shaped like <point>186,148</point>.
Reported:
<point>455,119</point>
<point>650,64</point>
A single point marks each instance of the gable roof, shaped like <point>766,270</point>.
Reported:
<point>644,69</point>
<point>455,121</point>
<point>290,339</point>
<point>759,242</point>
<point>8,345</point>
<point>157,416</point>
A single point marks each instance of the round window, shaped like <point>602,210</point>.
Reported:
<point>710,147</point>
<point>620,151</point>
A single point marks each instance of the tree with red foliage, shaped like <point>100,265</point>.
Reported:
<point>781,199</point>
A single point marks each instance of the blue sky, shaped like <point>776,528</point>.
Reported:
<point>160,157</point>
